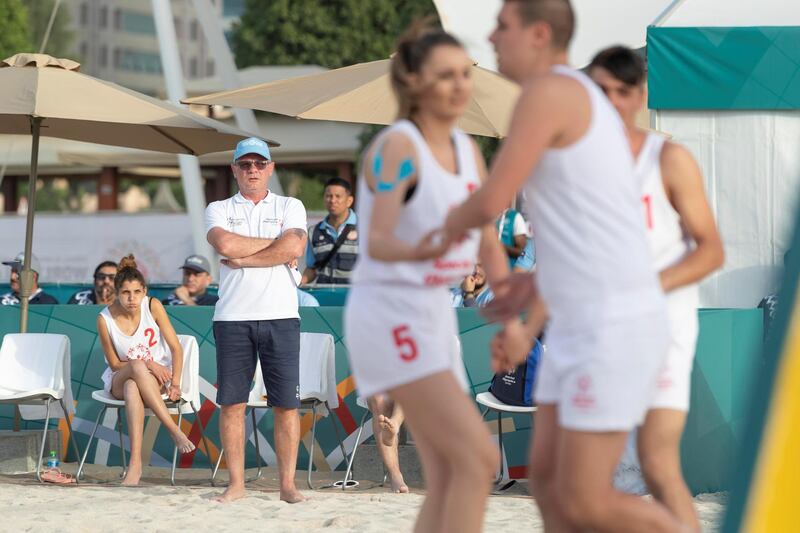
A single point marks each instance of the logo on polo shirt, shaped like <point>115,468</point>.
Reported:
<point>233,222</point>
<point>272,221</point>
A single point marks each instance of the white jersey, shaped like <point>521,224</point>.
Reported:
<point>593,261</point>
<point>669,242</point>
<point>146,343</point>
<point>437,191</point>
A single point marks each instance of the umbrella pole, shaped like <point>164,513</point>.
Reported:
<point>26,276</point>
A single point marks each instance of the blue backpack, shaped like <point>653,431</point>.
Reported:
<point>516,387</point>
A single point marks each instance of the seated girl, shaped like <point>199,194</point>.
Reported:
<point>145,360</point>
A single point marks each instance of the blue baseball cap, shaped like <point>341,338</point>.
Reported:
<point>252,145</point>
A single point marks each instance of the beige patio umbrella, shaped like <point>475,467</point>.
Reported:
<point>362,93</point>
<point>42,95</point>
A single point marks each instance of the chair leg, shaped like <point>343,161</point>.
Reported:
<point>89,444</point>
<point>258,448</point>
<point>352,459</point>
<point>336,428</point>
<point>71,434</point>
<point>175,450</point>
<point>205,442</point>
<point>121,445</point>
<point>216,466</point>
<point>500,441</point>
<point>313,440</point>
<point>44,441</point>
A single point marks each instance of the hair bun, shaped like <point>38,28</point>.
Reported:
<point>127,262</point>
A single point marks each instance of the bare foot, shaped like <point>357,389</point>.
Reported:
<point>388,430</point>
<point>132,477</point>
<point>398,484</point>
<point>292,495</point>
<point>231,494</point>
<point>183,443</point>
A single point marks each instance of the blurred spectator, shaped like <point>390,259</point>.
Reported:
<point>332,247</point>
<point>38,296</point>
<point>196,279</point>
<point>527,261</point>
<point>306,299</point>
<point>513,232</point>
<point>103,292</point>
<point>474,291</point>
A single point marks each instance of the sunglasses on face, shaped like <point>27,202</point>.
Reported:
<point>101,277</point>
<point>245,165</point>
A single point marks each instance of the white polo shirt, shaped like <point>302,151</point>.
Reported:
<point>267,293</point>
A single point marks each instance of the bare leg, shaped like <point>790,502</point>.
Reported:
<point>231,429</point>
<point>134,414</point>
<point>287,440</point>
<point>659,454</point>
<point>442,417</point>
<point>584,472</point>
<point>436,473</point>
<point>150,392</point>
<point>382,408</point>
<point>542,469</point>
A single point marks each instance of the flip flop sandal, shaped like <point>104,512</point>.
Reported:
<point>54,475</point>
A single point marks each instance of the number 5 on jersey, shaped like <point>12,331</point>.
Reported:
<point>405,342</point>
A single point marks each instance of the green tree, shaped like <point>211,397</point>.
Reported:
<point>333,34</point>
<point>60,41</point>
<point>14,34</point>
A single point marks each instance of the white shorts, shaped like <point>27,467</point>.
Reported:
<point>673,386</point>
<point>396,335</point>
<point>602,377</point>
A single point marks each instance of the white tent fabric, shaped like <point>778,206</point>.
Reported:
<point>733,13</point>
<point>750,164</point>
<point>751,168</point>
<point>599,24</point>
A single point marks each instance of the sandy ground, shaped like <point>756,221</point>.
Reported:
<point>101,504</point>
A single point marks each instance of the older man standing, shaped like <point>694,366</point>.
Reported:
<point>258,233</point>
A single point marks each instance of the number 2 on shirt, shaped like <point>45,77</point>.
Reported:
<point>150,332</point>
<point>406,343</point>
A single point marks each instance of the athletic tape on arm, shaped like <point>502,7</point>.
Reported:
<point>405,169</point>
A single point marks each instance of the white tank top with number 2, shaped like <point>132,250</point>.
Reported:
<point>146,343</point>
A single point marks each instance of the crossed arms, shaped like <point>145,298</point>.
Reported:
<point>240,251</point>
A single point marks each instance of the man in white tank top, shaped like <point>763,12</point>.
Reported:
<point>607,337</point>
<point>686,247</point>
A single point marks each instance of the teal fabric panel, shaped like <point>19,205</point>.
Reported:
<point>729,355</point>
<point>742,68</point>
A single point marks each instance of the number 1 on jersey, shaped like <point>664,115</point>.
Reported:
<point>648,210</point>
<point>406,343</point>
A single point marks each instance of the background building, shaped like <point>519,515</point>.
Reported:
<point>116,40</point>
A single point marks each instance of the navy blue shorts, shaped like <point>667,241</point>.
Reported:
<point>276,343</point>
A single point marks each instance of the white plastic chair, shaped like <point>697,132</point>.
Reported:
<point>491,403</point>
<point>189,403</point>
<point>256,400</point>
<point>34,372</point>
<point>318,385</point>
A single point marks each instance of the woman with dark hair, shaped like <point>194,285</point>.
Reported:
<point>399,324</point>
<point>144,359</point>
